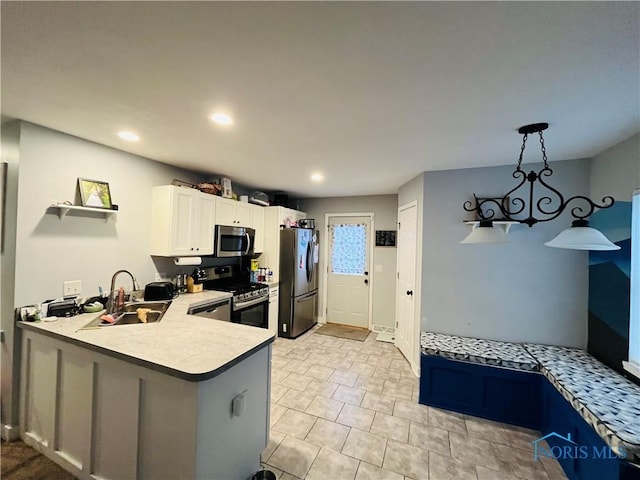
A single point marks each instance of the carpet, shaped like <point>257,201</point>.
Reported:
<point>343,331</point>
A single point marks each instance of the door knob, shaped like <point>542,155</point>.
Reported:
<point>366,281</point>
<point>409,292</point>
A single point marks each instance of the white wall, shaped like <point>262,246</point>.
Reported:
<point>385,210</point>
<point>52,250</point>
<point>616,171</point>
<point>523,291</point>
<point>44,168</point>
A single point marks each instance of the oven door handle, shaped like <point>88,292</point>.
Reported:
<point>250,303</point>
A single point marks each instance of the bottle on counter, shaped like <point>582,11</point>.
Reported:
<point>269,275</point>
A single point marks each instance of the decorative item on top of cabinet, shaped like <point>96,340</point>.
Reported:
<point>182,222</point>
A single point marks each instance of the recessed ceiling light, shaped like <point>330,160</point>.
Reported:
<point>221,118</point>
<point>129,136</point>
<point>317,177</point>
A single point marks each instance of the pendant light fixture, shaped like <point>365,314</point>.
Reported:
<point>547,205</point>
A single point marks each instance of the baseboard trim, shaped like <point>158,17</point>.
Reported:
<point>9,433</point>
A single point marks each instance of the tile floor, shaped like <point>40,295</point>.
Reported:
<point>343,409</point>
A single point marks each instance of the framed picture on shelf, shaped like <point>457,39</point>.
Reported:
<point>94,193</point>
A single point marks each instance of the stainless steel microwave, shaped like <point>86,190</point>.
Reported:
<point>233,241</point>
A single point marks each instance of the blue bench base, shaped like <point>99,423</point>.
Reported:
<point>500,394</point>
<point>519,398</point>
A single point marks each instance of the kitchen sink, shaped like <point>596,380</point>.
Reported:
<point>128,314</point>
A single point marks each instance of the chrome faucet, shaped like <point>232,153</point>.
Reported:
<point>112,291</point>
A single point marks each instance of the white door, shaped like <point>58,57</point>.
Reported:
<point>405,305</point>
<point>348,279</point>
<point>183,205</point>
<point>204,225</point>
<point>244,214</point>
<point>225,212</point>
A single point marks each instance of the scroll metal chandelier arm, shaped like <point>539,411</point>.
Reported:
<point>515,202</point>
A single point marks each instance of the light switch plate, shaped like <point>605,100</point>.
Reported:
<point>72,287</point>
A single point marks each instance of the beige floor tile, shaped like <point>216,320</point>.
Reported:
<point>317,358</point>
<point>324,408</point>
<point>322,388</point>
<point>350,395</point>
<point>378,361</point>
<point>294,423</point>
<point>363,368</point>
<point>276,413</point>
<point>389,426</point>
<point>294,456</point>
<point>397,390</point>
<point>522,439</point>
<point>360,357</point>
<point>486,429</point>
<point>387,374</point>
<point>518,462</point>
<point>406,459</point>
<point>365,446</point>
<point>366,471</point>
<point>357,417</point>
<point>279,473</point>
<point>275,438</point>
<point>339,363</point>
<point>277,391</point>
<point>412,411</point>
<point>344,377</point>
<point>485,473</point>
<point>443,467</point>
<point>472,450</point>
<point>297,381</point>
<point>429,438</point>
<point>370,384</point>
<point>400,364</point>
<point>296,366</point>
<point>378,402</point>
<point>320,372</point>
<point>328,434</point>
<point>330,464</point>
<point>296,399</point>
<point>452,421</point>
<point>278,361</point>
<point>277,375</point>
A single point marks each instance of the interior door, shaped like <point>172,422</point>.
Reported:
<point>405,336</point>
<point>348,278</point>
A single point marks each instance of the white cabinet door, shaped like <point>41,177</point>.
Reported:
<point>182,222</point>
<point>244,214</point>
<point>225,211</point>
<point>183,204</point>
<point>204,224</point>
<point>257,223</point>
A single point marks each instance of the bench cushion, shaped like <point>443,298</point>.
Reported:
<point>606,400</point>
<point>475,350</point>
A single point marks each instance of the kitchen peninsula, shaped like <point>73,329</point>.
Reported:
<point>187,397</point>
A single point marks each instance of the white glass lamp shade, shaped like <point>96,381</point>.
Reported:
<point>580,236</point>
<point>486,233</point>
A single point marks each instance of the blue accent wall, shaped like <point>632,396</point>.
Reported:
<point>609,288</point>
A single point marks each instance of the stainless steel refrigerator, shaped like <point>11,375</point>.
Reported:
<point>298,281</point>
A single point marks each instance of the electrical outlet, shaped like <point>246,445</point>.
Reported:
<point>73,287</point>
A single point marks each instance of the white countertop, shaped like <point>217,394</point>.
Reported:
<point>190,347</point>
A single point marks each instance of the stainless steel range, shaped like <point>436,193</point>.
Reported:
<point>250,301</point>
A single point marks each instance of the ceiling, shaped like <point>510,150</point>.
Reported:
<point>369,94</point>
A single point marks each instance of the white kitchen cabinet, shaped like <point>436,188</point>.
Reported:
<point>273,218</point>
<point>182,221</point>
<point>233,213</point>
<point>257,223</point>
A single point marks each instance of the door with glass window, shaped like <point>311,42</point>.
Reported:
<point>348,279</point>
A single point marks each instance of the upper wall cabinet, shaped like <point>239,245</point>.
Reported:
<point>235,214</point>
<point>257,222</point>
<point>182,221</point>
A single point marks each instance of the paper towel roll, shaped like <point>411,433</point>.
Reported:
<point>187,260</point>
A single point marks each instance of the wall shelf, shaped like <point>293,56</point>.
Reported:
<point>63,209</point>
<point>504,224</point>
